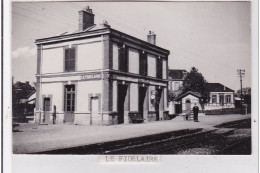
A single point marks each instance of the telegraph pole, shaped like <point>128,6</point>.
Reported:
<point>241,74</point>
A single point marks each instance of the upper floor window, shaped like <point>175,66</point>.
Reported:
<point>70,56</point>
<point>159,68</point>
<point>123,59</point>
<point>228,98</point>
<point>143,63</point>
<point>214,98</point>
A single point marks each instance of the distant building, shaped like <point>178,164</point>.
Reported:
<point>23,103</point>
<point>219,96</point>
<point>97,75</point>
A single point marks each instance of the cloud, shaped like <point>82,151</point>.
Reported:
<point>24,52</point>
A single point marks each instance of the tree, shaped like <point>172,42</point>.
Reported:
<point>195,82</point>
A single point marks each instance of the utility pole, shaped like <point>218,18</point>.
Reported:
<point>241,74</point>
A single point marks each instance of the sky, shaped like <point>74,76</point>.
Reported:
<point>214,37</point>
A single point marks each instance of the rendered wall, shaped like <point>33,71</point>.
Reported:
<point>133,61</point>
<point>89,56</point>
<point>52,60</point>
<point>151,61</point>
<point>115,56</point>
<point>134,97</point>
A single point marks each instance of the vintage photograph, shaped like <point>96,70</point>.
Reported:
<point>131,78</point>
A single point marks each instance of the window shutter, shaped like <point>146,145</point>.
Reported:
<point>72,59</point>
<point>122,59</point>
<point>143,63</point>
<point>67,54</point>
<point>159,68</point>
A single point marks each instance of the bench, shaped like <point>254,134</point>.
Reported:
<point>136,117</point>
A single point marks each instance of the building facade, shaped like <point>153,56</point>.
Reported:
<point>220,97</point>
<point>97,75</point>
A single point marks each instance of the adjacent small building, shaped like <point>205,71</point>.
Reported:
<point>219,96</point>
<point>96,75</point>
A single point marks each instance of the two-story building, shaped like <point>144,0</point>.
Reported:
<point>97,75</point>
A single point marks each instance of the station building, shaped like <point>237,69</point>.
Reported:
<point>97,75</point>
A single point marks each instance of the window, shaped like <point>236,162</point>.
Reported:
<point>177,86</point>
<point>69,100</point>
<point>228,98</point>
<point>159,68</point>
<point>47,104</point>
<point>214,99</point>
<point>123,59</point>
<point>70,59</point>
<point>221,99</point>
<point>143,63</point>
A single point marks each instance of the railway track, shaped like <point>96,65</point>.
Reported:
<point>173,145</point>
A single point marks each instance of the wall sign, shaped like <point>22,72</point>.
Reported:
<point>91,76</point>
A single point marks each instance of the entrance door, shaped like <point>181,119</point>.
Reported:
<point>122,91</point>
<point>96,118</point>
<point>141,105</point>
<point>69,103</point>
<point>157,103</point>
<point>188,107</point>
<point>46,109</point>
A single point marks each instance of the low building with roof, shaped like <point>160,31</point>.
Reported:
<point>219,97</point>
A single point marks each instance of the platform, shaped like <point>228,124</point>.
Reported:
<point>30,138</point>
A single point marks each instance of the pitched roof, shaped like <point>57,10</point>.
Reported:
<point>218,87</point>
<point>176,74</point>
<point>91,28</point>
<point>195,94</point>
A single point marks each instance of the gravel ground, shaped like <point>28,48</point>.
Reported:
<point>35,138</point>
<point>197,151</point>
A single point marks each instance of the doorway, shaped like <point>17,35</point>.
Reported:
<point>157,103</point>
<point>69,103</point>
<point>122,92</point>
<point>96,118</point>
<point>188,107</point>
<point>141,103</point>
<point>46,109</point>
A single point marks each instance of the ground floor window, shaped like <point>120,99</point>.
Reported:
<point>221,99</point>
<point>228,98</point>
<point>214,98</point>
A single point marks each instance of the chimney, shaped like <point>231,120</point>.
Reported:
<point>27,82</point>
<point>151,38</point>
<point>86,18</point>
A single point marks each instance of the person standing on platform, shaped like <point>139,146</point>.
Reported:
<point>195,112</point>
